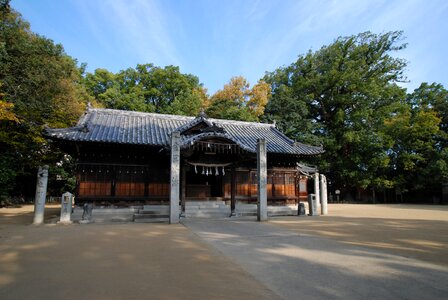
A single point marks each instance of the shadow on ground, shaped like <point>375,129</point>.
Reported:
<point>117,261</point>
<point>298,265</point>
<point>422,239</point>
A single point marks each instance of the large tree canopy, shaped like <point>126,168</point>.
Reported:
<point>419,138</point>
<point>40,85</point>
<point>339,96</point>
<point>148,88</point>
<point>344,96</point>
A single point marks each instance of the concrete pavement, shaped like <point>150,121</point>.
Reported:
<point>299,266</point>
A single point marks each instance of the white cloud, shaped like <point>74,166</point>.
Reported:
<point>220,39</point>
<point>144,28</point>
<point>135,27</point>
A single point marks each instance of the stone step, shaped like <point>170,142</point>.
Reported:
<point>205,202</point>
<point>205,206</point>
<point>246,206</point>
<point>109,219</point>
<point>150,216</point>
<point>152,220</point>
<point>209,209</point>
<point>202,206</point>
<point>152,212</point>
<point>207,215</point>
<point>282,213</point>
<point>155,207</point>
<point>251,210</point>
<point>245,214</point>
<point>205,210</point>
<point>107,210</point>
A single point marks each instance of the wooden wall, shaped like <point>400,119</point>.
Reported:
<point>114,173</point>
<point>282,186</point>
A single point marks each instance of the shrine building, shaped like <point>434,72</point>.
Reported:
<point>127,158</point>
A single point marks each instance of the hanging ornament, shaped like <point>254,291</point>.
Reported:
<point>223,172</point>
<point>216,171</point>
<point>195,170</point>
<point>203,170</point>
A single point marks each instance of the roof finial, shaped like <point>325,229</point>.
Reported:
<point>202,114</point>
<point>89,105</point>
<point>274,123</point>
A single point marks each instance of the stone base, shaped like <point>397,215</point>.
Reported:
<point>85,221</point>
<point>64,222</point>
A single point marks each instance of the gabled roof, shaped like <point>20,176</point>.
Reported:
<point>202,118</point>
<point>137,128</point>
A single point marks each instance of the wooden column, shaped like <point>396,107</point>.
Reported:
<point>262,207</point>
<point>113,181</point>
<point>183,190</point>
<point>146,182</point>
<point>233,192</point>
<point>175,174</point>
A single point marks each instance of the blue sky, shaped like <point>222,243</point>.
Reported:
<point>218,39</point>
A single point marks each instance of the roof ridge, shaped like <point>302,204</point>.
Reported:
<point>247,123</point>
<point>186,118</point>
<point>141,113</point>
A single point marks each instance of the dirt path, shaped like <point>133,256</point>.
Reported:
<point>24,215</point>
<point>417,231</point>
<point>114,261</point>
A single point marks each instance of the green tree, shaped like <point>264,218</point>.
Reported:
<point>419,140</point>
<point>148,88</point>
<point>339,96</point>
<point>41,85</point>
<point>237,101</point>
<point>99,82</point>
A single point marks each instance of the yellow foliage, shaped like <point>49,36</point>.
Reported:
<point>237,93</point>
<point>260,94</point>
<point>6,113</point>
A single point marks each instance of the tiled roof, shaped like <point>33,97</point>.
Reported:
<point>128,127</point>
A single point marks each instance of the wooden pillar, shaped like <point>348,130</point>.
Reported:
<point>175,174</point>
<point>146,182</point>
<point>262,207</point>
<point>114,181</point>
<point>183,191</point>
<point>232,192</point>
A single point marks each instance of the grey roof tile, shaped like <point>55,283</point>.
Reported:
<point>128,127</point>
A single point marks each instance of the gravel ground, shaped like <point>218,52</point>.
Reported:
<point>417,231</point>
<point>160,261</point>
